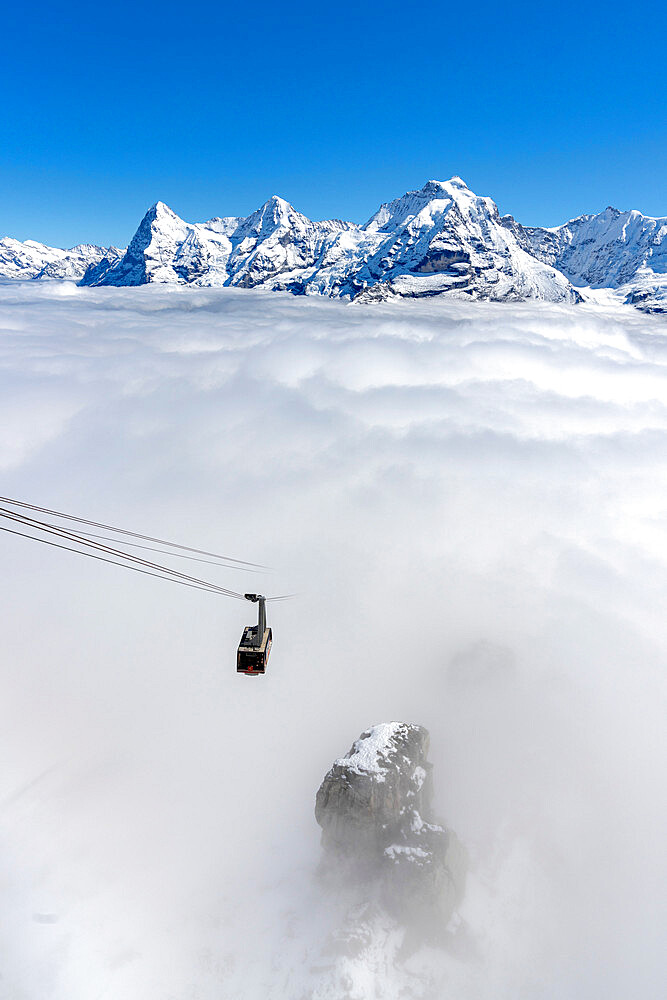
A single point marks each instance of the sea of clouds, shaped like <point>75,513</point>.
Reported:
<point>470,502</point>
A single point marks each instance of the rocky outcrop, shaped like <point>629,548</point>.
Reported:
<point>379,831</point>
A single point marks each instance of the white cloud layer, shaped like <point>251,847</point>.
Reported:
<point>470,500</point>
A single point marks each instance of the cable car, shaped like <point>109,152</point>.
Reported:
<point>255,644</point>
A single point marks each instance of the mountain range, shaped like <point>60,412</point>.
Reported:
<point>440,239</point>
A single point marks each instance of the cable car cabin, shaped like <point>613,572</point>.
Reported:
<point>252,659</point>
<point>255,645</point>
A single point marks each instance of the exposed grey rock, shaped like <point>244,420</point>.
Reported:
<point>97,269</point>
<point>378,828</point>
<point>364,797</point>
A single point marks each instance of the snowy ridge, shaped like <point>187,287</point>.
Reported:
<point>442,238</point>
<point>31,260</point>
<point>620,250</point>
<point>273,247</point>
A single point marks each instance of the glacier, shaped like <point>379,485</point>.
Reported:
<point>442,239</point>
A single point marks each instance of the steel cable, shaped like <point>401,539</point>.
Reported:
<point>179,555</point>
<point>132,534</point>
<point>36,525</point>
<point>128,560</point>
<point>92,555</point>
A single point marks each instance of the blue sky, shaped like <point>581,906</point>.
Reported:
<point>552,109</point>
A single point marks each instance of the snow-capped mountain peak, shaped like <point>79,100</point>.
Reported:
<point>276,213</point>
<point>149,256</point>
<point>159,209</point>
<point>445,238</point>
<point>160,217</point>
<point>393,214</point>
<point>440,238</point>
<point>613,249</point>
<point>30,260</point>
<point>429,203</point>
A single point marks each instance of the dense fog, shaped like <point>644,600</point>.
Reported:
<point>470,503</point>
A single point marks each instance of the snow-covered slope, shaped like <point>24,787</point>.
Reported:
<point>32,260</point>
<point>274,246</point>
<point>621,250</point>
<point>442,238</point>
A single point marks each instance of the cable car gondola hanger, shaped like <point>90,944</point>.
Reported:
<point>255,645</point>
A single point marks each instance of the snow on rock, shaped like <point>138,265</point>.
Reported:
<point>613,249</point>
<point>375,809</point>
<point>280,248</point>
<point>375,921</point>
<point>371,753</point>
<point>646,290</point>
<point>31,261</point>
<point>366,792</point>
<point>155,252</point>
<point>274,247</point>
<point>442,238</point>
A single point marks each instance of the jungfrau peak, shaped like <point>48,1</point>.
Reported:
<point>444,238</point>
<point>440,239</point>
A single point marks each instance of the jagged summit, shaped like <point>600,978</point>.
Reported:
<point>161,213</point>
<point>33,261</point>
<point>445,238</point>
<point>393,213</point>
<point>274,213</point>
<point>150,253</point>
<point>432,188</point>
<point>160,208</point>
<point>278,205</point>
<point>613,249</point>
<point>439,239</point>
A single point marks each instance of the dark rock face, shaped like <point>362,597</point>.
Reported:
<point>448,260</point>
<point>378,829</point>
<point>96,271</point>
